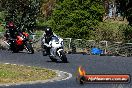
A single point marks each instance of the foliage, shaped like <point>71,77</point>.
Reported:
<point>21,12</point>
<point>2,16</point>
<point>127,31</point>
<point>113,32</point>
<point>1,28</point>
<point>46,8</point>
<point>73,18</point>
<point>69,18</point>
<point>126,9</point>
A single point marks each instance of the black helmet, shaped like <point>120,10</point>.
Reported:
<point>48,31</point>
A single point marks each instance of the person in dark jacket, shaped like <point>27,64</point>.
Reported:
<point>11,31</point>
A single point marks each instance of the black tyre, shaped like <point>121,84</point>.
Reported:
<point>63,57</point>
<point>15,50</point>
<point>52,59</point>
<point>29,48</point>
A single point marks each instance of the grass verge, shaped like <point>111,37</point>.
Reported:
<point>16,73</point>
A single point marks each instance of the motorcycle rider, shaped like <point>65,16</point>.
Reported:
<point>47,36</point>
<point>11,31</point>
<point>52,45</point>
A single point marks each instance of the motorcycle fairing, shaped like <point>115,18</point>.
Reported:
<point>19,40</point>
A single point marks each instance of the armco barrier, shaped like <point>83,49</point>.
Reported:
<point>116,48</point>
<point>78,45</point>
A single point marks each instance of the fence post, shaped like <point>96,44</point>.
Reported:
<point>70,43</point>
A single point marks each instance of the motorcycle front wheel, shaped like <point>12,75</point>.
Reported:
<point>13,48</point>
<point>29,48</point>
<point>63,57</point>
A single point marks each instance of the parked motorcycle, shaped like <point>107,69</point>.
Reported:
<point>22,42</point>
<point>56,49</point>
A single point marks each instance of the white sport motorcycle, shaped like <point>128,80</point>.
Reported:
<point>57,49</point>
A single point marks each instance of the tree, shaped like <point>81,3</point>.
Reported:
<point>126,9</point>
<point>22,12</point>
<point>129,12</point>
<point>46,7</point>
<point>74,18</point>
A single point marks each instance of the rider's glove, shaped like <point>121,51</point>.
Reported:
<point>47,45</point>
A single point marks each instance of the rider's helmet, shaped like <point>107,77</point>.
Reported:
<point>48,31</point>
<point>11,25</point>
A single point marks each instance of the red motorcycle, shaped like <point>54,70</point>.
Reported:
<point>22,42</point>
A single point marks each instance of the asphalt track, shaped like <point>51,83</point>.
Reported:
<point>92,65</point>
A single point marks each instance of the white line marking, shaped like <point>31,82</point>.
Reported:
<point>69,76</point>
<point>6,63</point>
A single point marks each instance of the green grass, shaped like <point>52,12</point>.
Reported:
<point>16,73</point>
